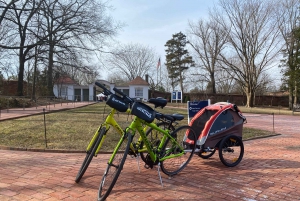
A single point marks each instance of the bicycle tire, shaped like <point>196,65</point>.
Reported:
<point>89,155</point>
<point>173,166</point>
<point>154,137</point>
<point>228,155</point>
<point>113,169</point>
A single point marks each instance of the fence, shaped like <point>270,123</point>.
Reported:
<point>238,99</point>
<point>72,129</point>
<point>63,130</point>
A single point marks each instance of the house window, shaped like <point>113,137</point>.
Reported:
<point>63,91</point>
<point>139,92</point>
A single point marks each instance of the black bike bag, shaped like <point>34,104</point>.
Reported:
<point>143,111</point>
<point>117,103</point>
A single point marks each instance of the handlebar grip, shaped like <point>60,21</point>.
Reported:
<point>123,94</point>
<point>105,90</point>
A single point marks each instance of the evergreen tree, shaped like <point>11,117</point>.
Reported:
<point>177,59</point>
<point>291,64</point>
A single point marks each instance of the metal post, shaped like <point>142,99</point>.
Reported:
<point>273,123</point>
<point>45,127</point>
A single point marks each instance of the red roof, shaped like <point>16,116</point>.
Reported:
<point>138,81</point>
<point>65,80</point>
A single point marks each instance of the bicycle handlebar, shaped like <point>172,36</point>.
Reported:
<point>124,96</point>
<point>105,90</point>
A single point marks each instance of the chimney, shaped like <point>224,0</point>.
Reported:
<point>147,77</point>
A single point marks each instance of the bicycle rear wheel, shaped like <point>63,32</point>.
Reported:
<point>173,166</point>
<point>114,167</point>
<point>231,150</point>
<point>89,155</point>
<point>154,137</point>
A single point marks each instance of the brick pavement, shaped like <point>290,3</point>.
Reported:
<point>270,170</point>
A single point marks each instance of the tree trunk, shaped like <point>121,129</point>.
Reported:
<point>250,97</point>
<point>295,96</point>
<point>21,73</point>
<point>213,84</point>
<point>290,98</point>
<point>33,97</point>
<point>50,71</point>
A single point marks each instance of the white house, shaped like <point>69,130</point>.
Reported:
<point>137,88</point>
<point>68,89</point>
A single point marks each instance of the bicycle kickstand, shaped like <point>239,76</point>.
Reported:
<point>158,170</point>
<point>138,162</point>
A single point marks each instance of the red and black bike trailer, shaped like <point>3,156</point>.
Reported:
<point>219,127</point>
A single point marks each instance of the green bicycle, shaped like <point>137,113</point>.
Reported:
<point>170,153</point>
<point>119,104</point>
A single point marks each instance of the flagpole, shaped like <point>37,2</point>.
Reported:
<point>160,73</point>
<point>158,66</point>
<point>157,75</point>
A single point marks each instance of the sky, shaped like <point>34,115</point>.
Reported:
<point>152,23</point>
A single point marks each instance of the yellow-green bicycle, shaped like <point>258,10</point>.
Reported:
<point>120,104</point>
<point>172,152</point>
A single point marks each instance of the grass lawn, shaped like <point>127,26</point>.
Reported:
<point>73,129</point>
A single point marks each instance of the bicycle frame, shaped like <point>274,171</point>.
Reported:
<point>137,125</point>
<point>110,121</point>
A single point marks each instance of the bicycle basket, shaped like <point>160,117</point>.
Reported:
<point>143,111</point>
<point>117,103</point>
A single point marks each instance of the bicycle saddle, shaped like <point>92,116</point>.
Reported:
<point>177,116</point>
<point>158,102</point>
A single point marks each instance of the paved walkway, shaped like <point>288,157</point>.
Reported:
<point>22,112</point>
<point>270,170</point>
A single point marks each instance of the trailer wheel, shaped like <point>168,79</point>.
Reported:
<point>231,150</point>
<point>207,154</point>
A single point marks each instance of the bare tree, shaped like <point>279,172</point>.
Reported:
<point>225,82</point>
<point>132,60</point>
<point>252,41</point>
<point>207,40</point>
<point>76,29</point>
<point>73,27</point>
<point>19,15</point>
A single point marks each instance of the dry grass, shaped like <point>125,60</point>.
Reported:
<point>73,129</point>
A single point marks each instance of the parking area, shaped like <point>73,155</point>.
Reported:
<point>269,170</point>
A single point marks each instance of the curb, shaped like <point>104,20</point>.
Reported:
<point>48,150</point>
<point>256,138</point>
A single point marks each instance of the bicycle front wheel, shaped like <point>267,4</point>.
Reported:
<point>114,167</point>
<point>179,152</point>
<point>89,155</point>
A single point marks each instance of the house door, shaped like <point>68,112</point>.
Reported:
<point>85,94</point>
<point>77,95</point>
<point>126,91</point>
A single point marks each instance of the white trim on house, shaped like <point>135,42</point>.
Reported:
<point>67,91</point>
<point>131,88</point>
